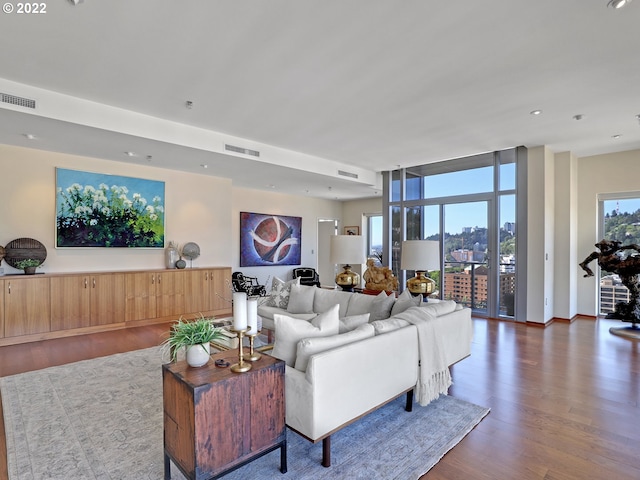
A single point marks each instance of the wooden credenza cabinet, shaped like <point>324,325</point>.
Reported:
<point>86,300</point>
<point>216,420</point>
<point>43,306</point>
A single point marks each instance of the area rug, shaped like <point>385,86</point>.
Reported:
<point>102,419</point>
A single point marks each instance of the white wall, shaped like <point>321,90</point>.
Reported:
<point>198,209</point>
<point>310,209</point>
<point>612,173</point>
<point>540,205</point>
<point>566,226</point>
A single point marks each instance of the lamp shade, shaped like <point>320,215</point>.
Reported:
<point>420,255</point>
<point>347,249</point>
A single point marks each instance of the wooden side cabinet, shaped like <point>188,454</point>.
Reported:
<point>216,421</point>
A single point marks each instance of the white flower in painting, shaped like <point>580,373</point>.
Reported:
<point>160,209</point>
<point>137,196</point>
<point>153,216</point>
<point>127,203</point>
<point>104,187</point>
<point>156,199</point>
<point>150,209</point>
<point>89,190</point>
<point>124,189</point>
<point>122,197</point>
<point>106,211</point>
<point>76,187</point>
<point>143,201</point>
<point>93,221</point>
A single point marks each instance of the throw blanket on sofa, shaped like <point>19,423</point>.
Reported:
<point>434,377</point>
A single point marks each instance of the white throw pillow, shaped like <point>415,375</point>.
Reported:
<point>289,331</point>
<point>404,301</point>
<point>440,308</point>
<point>389,325</point>
<point>280,291</point>
<point>324,299</point>
<point>351,322</point>
<point>381,306</point>
<point>301,299</point>
<point>311,346</point>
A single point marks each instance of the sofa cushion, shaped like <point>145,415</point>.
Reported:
<point>310,346</point>
<point>280,291</point>
<point>404,301</point>
<point>324,299</point>
<point>359,304</point>
<point>289,331</point>
<point>440,308</point>
<point>381,306</point>
<point>351,322</point>
<point>301,299</point>
<point>389,325</point>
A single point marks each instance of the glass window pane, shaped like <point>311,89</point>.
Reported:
<point>508,176</point>
<point>507,254</point>
<point>414,186</point>
<point>395,186</point>
<point>477,180</point>
<point>396,238</point>
<point>375,237</point>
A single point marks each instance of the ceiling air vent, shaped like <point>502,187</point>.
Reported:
<point>347,174</point>
<point>19,101</point>
<point>244,151</point>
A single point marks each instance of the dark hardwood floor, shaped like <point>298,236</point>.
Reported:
<point>565,400</point>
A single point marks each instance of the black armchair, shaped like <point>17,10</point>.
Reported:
<point>307,275</point>
<point>249,285</point>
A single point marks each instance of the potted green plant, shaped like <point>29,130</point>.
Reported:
<point>29,265</point>
<point>194,336</point>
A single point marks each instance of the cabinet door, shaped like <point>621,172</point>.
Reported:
<point>196,291</point>
<point>70,306</point>
<point>169,293</point>
<point>141,296</point>
<point>27,306</point>
<point>220,289</point>
<point>107,299</point>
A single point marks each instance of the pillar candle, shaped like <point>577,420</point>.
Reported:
<point>252,315</point>
<point>239,310</point>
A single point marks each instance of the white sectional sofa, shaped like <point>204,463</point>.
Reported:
<point>348,354</point>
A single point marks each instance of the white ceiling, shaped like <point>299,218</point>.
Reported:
<point>319,86</point>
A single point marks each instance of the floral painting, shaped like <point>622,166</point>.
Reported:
<point>269,239</point>
<point>100,210</point>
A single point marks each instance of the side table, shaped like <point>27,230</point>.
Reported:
<point>216,421</point>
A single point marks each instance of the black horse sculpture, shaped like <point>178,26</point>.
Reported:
<point>611,259</point>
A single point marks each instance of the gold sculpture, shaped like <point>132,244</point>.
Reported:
<point>379,278</point>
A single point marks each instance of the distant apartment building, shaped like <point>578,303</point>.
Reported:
<point>470,286</point>
<point>612,291</point>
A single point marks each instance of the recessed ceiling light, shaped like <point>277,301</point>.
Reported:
<point>580,116</point>
<point>204,165</point>
<point>188,104</point>
<point>618,3</point>
<point>616,136</point>
<point>535,112</point>
<point>29,136</point>
<point>131,154</point>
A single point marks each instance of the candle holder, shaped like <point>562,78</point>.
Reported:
<point>253,355</point>
<point>241,366</point>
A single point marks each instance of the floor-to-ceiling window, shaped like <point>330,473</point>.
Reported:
<point>619,220</point>
<point>469,206</point>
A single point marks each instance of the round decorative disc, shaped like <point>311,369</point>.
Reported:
<point>190,251</point>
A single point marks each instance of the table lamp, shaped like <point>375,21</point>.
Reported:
<point>347,249</point>
<point>421,256</point>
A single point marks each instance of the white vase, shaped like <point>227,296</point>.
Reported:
<point>171,256</point>
<point>198,355</point>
